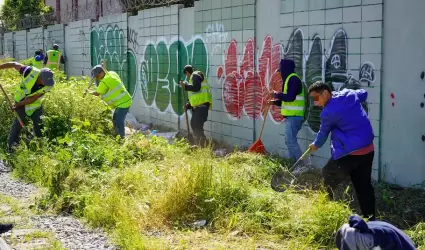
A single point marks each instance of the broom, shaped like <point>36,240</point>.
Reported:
<point>258,146</point>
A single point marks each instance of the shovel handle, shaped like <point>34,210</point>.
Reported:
<point>11,106</point>
<point>301,158</point>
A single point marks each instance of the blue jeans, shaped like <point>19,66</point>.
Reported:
<point>293,125</point>
<point>118,119</point>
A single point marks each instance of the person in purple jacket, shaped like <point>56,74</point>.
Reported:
<point>292,103</point>
<point>358,234</point>
<point>351,142</point>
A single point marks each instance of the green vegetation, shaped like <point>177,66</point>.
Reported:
<point>147,194</point>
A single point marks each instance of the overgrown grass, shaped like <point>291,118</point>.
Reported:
<point>148,193</point>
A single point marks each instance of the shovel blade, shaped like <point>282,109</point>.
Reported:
<point>257,147</point>
<point>281,180</point>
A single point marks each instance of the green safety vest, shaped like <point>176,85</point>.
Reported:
<point>24,90</point>
<point>53,59</point>
<point>203,95</point>
<point>117,95</point>
<point>295,108</point>
<point>37,64</point>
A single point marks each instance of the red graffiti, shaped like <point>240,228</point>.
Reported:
<point>392,97</point>
<point>244,88</point>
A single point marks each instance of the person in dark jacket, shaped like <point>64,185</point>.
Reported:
<point>292,103</point>
<point>351,142</point>
<point>359,235</point>
<point>199,101</point>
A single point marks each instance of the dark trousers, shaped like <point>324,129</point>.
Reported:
<point>359,169</point>
<point>118,119</point>
<point>15,130</point>
<point>199,117</point>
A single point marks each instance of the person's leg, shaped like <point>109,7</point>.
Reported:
<point>114,122</point>
<point>201,118</point>
<point>292,127</point>
<point>16,128</point>
<point>361,177</point>
<point>333,175</point>
<point>37,122</point>
<point>120,115</point>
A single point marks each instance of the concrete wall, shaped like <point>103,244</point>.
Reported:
<point>77,44</point>
<point>238,45</point>
<point>403,94</point>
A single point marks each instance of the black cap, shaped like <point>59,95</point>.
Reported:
<point>55,46</point>
<point>188,68</point>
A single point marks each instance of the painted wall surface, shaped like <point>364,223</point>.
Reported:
<point>238,45</point>
<point>77,44</point>
<point>403,97</point>
<point>8,44</point>
<point>20,40</point>
<point>35,41</point>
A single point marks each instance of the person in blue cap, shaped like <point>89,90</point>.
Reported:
<point>373,235</point>
<point>28,98</point>
<point>112,91</point>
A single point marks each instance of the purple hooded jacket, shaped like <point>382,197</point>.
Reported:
<point>345,117</point>
<point>359,235</point>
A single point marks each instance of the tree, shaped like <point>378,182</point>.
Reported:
<point>13,11</point>
<point>136,5</point>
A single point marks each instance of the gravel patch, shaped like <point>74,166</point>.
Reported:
<point>68,230</point>
<point>71,233</point>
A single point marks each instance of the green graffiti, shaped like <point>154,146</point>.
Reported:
<point>109,42</point>
<point>162,69</point>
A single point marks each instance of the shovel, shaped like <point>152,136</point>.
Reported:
<point>92,79</point>
<point>284,178</point>
<point>11,106</point>
<point>258,146</point>
<point>189,135</point>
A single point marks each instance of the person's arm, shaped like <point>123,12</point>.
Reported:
<point>101,89</point>
<point>11,65</point>
<point>28,100</point>
<point>294,88</point>
<point>326,125</point>
<point>45,60</point>
<point>62,59</point>
<point>361,94</point>
<point>196,81</point>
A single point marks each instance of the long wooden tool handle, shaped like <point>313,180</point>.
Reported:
<point>301,158</point>
<point>11,106</point>
<point>264,121</point>
<point>185,113</point>
<point>92,79</point>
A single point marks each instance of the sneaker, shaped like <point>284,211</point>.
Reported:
<point>5,228</point>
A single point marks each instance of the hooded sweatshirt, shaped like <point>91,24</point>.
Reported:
<point>287,67</point>
<point>359,235</point>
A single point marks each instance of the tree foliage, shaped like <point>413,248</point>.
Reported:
<point>14,10</point>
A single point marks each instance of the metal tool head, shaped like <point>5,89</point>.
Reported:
<point>284,178</point>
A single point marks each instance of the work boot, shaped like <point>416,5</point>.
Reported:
<point>5,228</point>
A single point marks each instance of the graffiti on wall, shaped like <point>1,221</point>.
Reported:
<point>161,70</point>
<point>245,90</point>
<point>36,42</point>
<point>109,42</point>
<point>84,40</point>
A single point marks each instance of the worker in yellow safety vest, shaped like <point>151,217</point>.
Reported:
<point>54,58</point>
<point>37,60</point>
<point>200,101</point>
<point>112,91</point>
<point>292,102</point>
<point>28,98</point>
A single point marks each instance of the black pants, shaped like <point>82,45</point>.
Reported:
<point>359,169</point>
<point>15,130</point>
<point>199,117</point>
